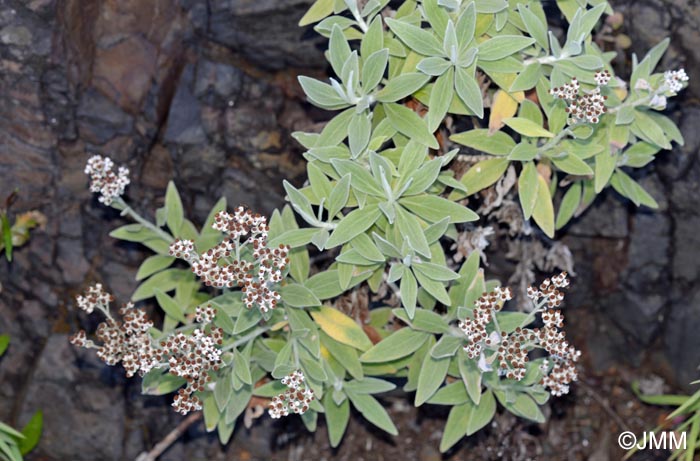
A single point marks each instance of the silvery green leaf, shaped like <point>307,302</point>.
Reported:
<point>409,292</point>
<point>527,188</point>
<point>381,167</point>
<point>435,272</point>
<point>587,62</point>
<point>410,228</point>
<point>503,46</point>
<point>339,196</point>
<point>373,69</point>
<point>590,18</point>
<point>469,91</point>
<point>625,115</point>
<point>373,39</point>
<point>490,6</point>
<point>573,165</point>
<point>396,271</point>
<point>366,247</point>
<point>385,246</point>
<point>449,43</point>
<point>569,205</point>
<point>424,177</point>
<point>554,45</point>
<point>500,20</point>
<point>419,40</point>
<point>432,208</point>
<point>436,16</point>
<point>523,152</point>
<point>508,65</point>
<point>467,57</point>
<point>320,238</point>
<point>350,74</point>
<point>353,224</point>
<point>321,94</point>
<point>389,211</point>
<point>531,111</point>
<point>338,50</point>
<point>628,187</point>
<point>528,78</point>
<point>451,4</point>
<point>409,123</point>
<point>373,411</point>
<point>668,126</point>
<point>412,157</point>
<point>173,205</point>
<point>326,154</point>
<point>535,27</point>
<point>434,66</point>
<point>466,26</point>
<point>353,257</point>
<point>371,8</point>
<point>496,143</point>
<point>325,27</point>
<point>447,178</point>
<point>440,99</point>
<point>294,237</point>
<point>359,131</point>
<point>402,86</point>
<point>299,201</point>
<point>361,179</point>
<point>646,127</point>
<point>433,288</point>
<point>335,130</point>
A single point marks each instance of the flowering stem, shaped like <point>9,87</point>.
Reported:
<point>243,340</point>
<point>126,210</point>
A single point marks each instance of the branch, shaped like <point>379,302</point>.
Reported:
<point>169,439</point>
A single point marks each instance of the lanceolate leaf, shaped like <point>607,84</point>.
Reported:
<point>543,212</point>
<point>353,224</point>
<point>408,123</point>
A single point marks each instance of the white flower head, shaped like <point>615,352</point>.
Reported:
<point>674,80</point>
<point>103,179</point>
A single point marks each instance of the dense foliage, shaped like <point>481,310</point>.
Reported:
<point>248,320</point>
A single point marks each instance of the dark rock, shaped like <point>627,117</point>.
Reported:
<point>184,125</point>
<point>84,405</point>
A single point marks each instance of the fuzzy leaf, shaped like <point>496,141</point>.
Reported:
<point>341,327</point>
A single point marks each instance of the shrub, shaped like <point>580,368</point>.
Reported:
<point>383,199</point>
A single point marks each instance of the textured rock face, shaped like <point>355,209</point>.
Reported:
<point>204,92</point>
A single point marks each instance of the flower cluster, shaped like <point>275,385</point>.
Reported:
<point>128,341</point>
<point>296,398</point>
<point>104,180</point>
<point>484,311</point>
<point>94,298</point>
<point>674,80</point>
<point>192,358</point>
<point>511,350</point>
<point>586,107</point>
<point>255,278</point>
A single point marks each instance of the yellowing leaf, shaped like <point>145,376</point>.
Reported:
<point>503,107</point>
<point>527,127</point>
<point>341,327</point>
<point>543,212</point>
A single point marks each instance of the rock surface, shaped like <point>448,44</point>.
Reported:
<point>204,92</point>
